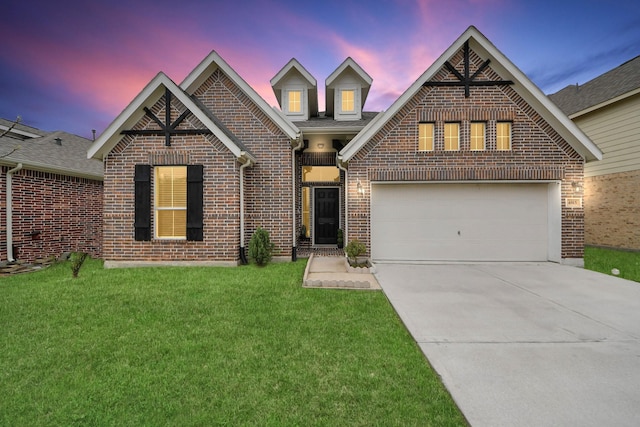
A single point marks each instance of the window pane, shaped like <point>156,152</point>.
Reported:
<point>451,136</point>
<point>503,136</point>
<point>477,136</point>
<point>295,101</point>
<point>425,136</point>
<point>171,201</point>
<point>320,174</point>
<point>171,223</point>
<point>348,100</point>
<point>306,205</point>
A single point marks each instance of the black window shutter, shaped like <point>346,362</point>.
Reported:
<point>142,222</point>
<point>194,202</point>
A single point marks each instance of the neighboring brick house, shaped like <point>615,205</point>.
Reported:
<point>50,194</point>
<point>471,163</point>
<point>607,109</point>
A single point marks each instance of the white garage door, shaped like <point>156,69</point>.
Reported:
<point>459,222</point>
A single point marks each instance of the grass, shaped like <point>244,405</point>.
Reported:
<point>207,346</point>
<point>605,260</point>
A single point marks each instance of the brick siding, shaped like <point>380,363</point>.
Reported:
<point>52,214</point>
<point>267,184</point>
<point>538,152</point>
<point>612,210</point>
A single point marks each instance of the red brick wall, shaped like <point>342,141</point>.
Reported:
<point>612,210</point>
<point>267,184</point>
<point>538,152</point>
<point>52,214</point>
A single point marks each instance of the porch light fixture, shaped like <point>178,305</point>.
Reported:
<point>577,186</point>
<point>360,188</point>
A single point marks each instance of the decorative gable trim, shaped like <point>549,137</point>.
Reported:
<point>509,72</point>
<point>158,87</point>
<point>213,61</point>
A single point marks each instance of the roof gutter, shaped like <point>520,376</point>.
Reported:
<point>294,148</point>
<point>9,214</point>
<point>340,164</point>
<point>247,161</point>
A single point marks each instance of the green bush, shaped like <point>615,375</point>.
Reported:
<point>355,248</point>
<point>260,247</point>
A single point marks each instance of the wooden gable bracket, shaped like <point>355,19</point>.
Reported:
<point>465,80</point>
<point>167,129</point>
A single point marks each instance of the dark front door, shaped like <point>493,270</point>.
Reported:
<point>326,223</point>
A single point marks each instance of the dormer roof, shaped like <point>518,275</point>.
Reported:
<point>348,69</point>
<point>294,71</point>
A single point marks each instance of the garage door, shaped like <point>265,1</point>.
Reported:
<point>459,222</point>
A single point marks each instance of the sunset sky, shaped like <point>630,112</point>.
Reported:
<point>75,65</point>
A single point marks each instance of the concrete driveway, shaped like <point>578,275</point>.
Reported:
<point>525,344</point>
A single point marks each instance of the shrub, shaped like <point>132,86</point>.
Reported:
<point>340,238</point>
<point>354,249</point>
<point>77,259</point>
<point>260,247</point>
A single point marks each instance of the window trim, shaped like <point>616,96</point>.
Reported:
<point>432,137</point>
<point>301,101</point>
<point>157,209</point>
<point>444,134</point>
<point>510,136</point>
<point>484,136</point>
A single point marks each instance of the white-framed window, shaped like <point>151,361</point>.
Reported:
<point>294,101</point>
<point>451,136</point>
<point>320,174</point>
<point>477,136</point>
<point>170,202</point>
<point>503,136</point>
<point>425,136</point>
<point>348,100</point>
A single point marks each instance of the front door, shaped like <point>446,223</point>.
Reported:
<point>327,219</point>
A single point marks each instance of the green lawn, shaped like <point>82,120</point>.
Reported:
<point>207,346</point>
<point>605,260</point>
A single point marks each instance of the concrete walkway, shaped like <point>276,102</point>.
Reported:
<point>331,272</point>
<point>525,344</point>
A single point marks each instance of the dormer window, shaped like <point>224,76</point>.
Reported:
<point>348,100</point>
<point>295,101</point>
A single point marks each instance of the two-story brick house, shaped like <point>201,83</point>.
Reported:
<point>471,163</point>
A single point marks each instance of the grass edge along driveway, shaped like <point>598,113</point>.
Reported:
<point>207,346</point>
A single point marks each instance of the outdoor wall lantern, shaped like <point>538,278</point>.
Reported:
<point>577,186</point>
<point>360,188</point>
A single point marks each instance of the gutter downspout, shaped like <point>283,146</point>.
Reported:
<point>243,255</point>
<point>346,198</point>
<point>10,212</point>
<point>294,255</point>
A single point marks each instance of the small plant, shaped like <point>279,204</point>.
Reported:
<point>77,259</point>
<point>303,231</point>
<point>340,239</point>
<point>354,249</point>
<point>260,247</point>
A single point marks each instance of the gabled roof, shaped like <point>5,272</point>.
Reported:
<point>19,130</point>
<point>55,152</point>
<point>212,62</point>
<point>154,90</point>
<point>347,66</point>
<point>294,67</point>
<point>508,71</point>
<point>616,84</point>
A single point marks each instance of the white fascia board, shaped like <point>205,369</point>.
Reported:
<point>41,167</point>
<point>4,128</point>
<point>349,62</point>
<point>129,116</point>
<point>293,63</point>
<point>213,61</point>
<point>134,112</point>
<point>605,103</point>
